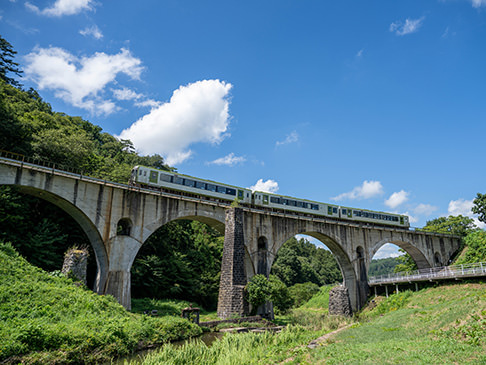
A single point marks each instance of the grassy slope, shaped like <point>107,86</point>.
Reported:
<point>46,319</point>
<point>442,325</point>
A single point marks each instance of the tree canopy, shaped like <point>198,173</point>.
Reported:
<point>7,64</point>
<point>479,207</point>
<point>457,225</point>
<point>299,261</point>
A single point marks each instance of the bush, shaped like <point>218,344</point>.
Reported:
<point>301,293</point>
<point>280,296</point>
<point>475,251</point>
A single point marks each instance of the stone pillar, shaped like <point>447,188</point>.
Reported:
<point>76,263</point>
<point>339,303</point>
<point>233,278</point>
<point>122,252</point>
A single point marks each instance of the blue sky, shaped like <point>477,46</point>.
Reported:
<point>378,105</point>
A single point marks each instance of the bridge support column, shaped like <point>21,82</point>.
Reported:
<point>233,277</point>
<point>122,251</point>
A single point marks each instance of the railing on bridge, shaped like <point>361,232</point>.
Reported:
<point>434,273</point>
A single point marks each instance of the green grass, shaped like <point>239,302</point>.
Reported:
<point>46,319</point>
<point>442,325</point>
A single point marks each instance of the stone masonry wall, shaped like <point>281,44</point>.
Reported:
<point>75,264</point>
<point>233,278</point>
<point>339,303</point>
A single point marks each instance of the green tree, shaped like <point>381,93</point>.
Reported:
<point>457,225</point>
<point>302,292</point>
<point>405,262</point>
<point>280,295</point>
<point>299,261</point>
<point>258,291</point>
<point>480,207</point>
<point>475,248</point>
<point>7,64</point>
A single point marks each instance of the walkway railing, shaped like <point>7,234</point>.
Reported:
<point>434,273</point>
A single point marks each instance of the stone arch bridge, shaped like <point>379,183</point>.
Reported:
<point>118,219</point>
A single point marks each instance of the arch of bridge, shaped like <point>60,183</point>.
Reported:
<point>84,222</point>
<point>417,255</point>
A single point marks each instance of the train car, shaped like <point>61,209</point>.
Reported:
<point>364,215</point>
<point>147,176</point>
<point>294,204</point>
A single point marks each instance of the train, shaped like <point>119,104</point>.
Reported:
<point>178,183</point>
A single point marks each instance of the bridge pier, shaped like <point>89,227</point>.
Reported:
<point>122,251</point>
<point>233,277</point>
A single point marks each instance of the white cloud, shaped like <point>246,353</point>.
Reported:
<point>128,94</point>
<point>463,207</point>
<point>424,209</point>
<point>368,189</point>
<point>387,250</point>
<point>478,3</point>
<point>291,138</point>
<point>198,112</point>
<point>229,160</point>
<point>360,53</point>
<point>92,31</point>
<point>269,186</point>
<point>62,7</point>
<point>410,26</point>
<point>397,199</point>
<point>80,81</point>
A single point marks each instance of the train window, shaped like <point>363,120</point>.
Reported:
<point>200,185</point>
<point>274,199</point>
<point>230,191</point>
<point>334,210</point>
<point>145,173</point>
<point>345,211</point>
<point>305,205</point>
<point>178,180</point>
<point>164,177</point>
<point>188,182</point>
<point>140,173</point>
<point>221,189</point>
<point>211,187</point>
<point>314,206</point>
<point>240,194</point>
<point>293,203</point>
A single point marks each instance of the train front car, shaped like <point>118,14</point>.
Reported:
<point>178,183</point>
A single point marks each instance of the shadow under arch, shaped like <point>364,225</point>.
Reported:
<point>86,225</point>
<point>414,252</point>
<point>348,273</point>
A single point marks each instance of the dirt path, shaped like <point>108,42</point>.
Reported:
<point>314,343</point>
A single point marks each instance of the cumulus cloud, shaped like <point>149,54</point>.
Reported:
<point>198,112</point>
<point>478,3</point>
<point>80,81</point>
<point>269,186</point>
<point>368,189</point>
<point>291,138</point>
<point>463,207</point>
<point>410,26</point>
<point>62,7</point>
<point>397,199</point>
<point>424,209</point>
<point>387,250</point>
<point>229,160</point>
<point>93,31</point>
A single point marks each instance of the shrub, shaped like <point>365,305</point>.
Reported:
<point>301,293</point>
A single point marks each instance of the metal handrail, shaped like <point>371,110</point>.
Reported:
<point>443,272</point>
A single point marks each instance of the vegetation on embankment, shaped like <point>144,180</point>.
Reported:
<point>441,325</point>
<point>47,319</point>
